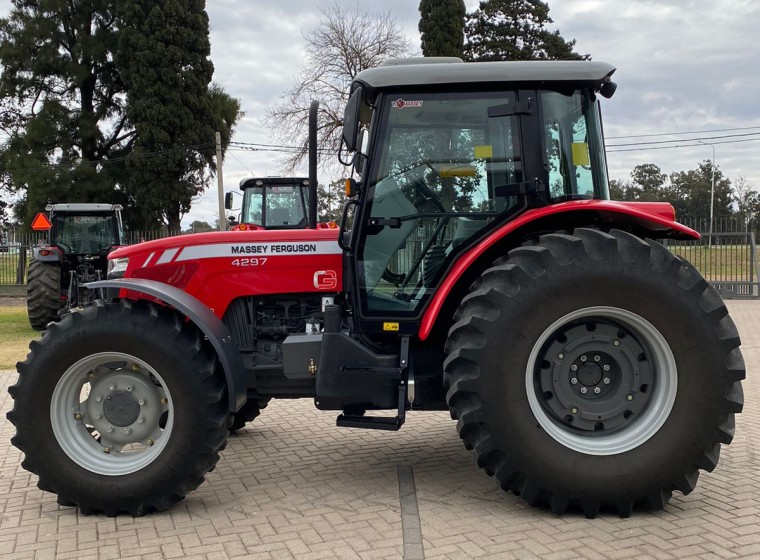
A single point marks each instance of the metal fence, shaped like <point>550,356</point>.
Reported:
<point>727,259</point>
<point>16,251</point>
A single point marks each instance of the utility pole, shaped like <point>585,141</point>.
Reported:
<point>712,193</point>
<point>220,181</point>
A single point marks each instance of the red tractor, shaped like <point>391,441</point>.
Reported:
<point>480,268</point>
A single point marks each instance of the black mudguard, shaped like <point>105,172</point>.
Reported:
<point>209,324</point>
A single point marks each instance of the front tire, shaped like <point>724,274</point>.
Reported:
<point>120,407</point>
<point>593,371</point>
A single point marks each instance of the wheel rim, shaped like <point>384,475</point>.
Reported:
<point>111,413</point>
<point>601,380</point>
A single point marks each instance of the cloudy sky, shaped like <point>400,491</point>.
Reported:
<point>682,66</point>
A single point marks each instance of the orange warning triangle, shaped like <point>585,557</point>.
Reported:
<point>41,222</point>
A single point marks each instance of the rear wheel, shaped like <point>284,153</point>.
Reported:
<point>594,371</point>
<point>43,293</point>
<point>120,407</point>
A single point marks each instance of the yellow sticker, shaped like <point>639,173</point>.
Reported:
<point>390,326</point>
<point>483,152</point>
<point>580,154</point>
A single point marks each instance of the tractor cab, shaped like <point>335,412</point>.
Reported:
<point>448,153</point>
<point>272,203</point>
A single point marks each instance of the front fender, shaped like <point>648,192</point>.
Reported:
<point>209,324</point>
<point>653,219</point>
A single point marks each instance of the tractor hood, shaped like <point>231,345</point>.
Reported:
<point>218,267</point>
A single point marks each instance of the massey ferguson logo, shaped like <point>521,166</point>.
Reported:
<point>325,280</point>
<point>400,103</point>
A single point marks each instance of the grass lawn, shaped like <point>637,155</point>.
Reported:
<point>15,335</point>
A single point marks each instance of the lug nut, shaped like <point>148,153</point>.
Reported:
<point>112,387</point>
<point>134,367</point>
<point>164,400</point>
<point>573,368</point>
<point>151,442</point>
<point>99,398</point>
<point>584,390</point>
<point>597,390</point>
<point>583,358</point>
<point>129,387</point>
<point>91,374</point>
<point>616,343</point>
<point>98,415</point>
<point>106,450</point>
<point>109,429</point>
<point>561,356</point>
<point>127,431</point>
<point>574,380</point>
<point>597,358</point>
<point>606,380</point>
<point>629,397</point>
<point>141,401</point>
<point>606,367</point>
<point>574,410</point>
<point>77,416</point>
<point>140,420</point>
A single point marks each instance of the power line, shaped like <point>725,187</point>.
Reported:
<point>682,145</point>
<point>108,161</point>
<point>651,143</point>
<point>683,132</point>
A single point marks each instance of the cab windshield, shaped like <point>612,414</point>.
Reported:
<point>275,206</point>
<point>83,234</point>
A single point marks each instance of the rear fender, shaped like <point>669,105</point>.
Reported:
<point>203,318</point>
<point>646,219</point>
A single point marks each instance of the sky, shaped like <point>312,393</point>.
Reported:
<point>682,66</point>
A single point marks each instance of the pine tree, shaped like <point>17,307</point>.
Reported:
<point>515,30</point>
<point>164,60</point>
<point>442,27</point>
<point>61,95</point>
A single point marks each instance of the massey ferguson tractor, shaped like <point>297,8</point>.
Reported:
<point>479,268</point>
<point>79,239</point>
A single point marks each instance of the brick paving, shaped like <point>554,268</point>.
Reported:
<point>291,485</point>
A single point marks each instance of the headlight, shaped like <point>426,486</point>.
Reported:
<point>117,266</point>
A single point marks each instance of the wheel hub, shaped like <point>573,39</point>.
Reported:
<point>594,375</point>
<point>121,408</point>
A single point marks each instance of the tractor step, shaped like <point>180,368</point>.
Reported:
<point>370,422</point>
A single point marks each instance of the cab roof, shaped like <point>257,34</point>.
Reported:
<point>83,207</point>
<point>449,70</point>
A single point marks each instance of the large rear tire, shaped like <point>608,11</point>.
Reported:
<point>594,371</point>
<point>43,293</point>
<point>120,407</point>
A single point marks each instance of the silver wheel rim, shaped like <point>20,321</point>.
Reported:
<point>111,413</point>
<point>549,366</point>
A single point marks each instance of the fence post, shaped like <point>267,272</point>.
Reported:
<point>21,269</point>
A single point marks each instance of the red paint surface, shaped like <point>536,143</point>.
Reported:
<point>653,215</point>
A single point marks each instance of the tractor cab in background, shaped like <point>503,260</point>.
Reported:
<point>272,203</point>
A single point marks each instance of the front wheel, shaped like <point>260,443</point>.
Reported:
<point>593,371</point>
<point>120,407</point>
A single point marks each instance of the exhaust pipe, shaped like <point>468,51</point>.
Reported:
<point>313,113</point>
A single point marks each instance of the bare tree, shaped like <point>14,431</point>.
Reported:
<point>343,44</point>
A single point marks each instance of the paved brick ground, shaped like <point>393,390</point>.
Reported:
<point>293,486</point>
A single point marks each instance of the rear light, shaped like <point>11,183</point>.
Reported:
<point>46,252</point>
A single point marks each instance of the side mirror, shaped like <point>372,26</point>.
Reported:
<point>228,201</point>
<point>351,120</point>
